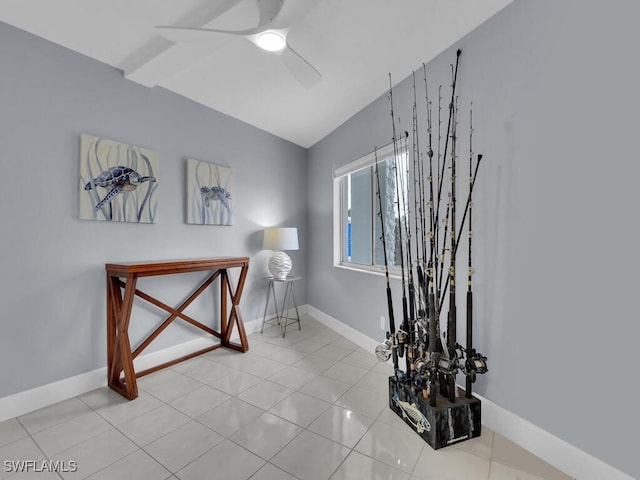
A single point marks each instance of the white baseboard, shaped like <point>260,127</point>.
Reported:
<point>553,450</point>
<point>27,401</point>
<point>346,331</point>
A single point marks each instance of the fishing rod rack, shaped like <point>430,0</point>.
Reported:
<point>426,231</point>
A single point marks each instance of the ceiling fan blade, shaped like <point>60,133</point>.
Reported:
<point>189,34</point>
<point>305,73</point>
<point>268,10</point>
<point>292,12</point>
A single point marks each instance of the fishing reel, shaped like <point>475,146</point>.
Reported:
<point>475,364</point>
<point>384,350</point>
<point>402,338</point>
<point>448,366</point>
<point>421,367</point>
<point>457,352</point>
<point>451,365</point>
<point>424,367</point>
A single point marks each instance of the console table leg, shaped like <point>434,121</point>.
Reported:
<point>115,309</point>
<point>235,316</point>
<point>114,300</point>
<point>121,359</point>
<point>224,287</point>
<point>244,342</point>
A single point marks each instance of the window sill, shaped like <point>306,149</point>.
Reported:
<point>367,269</point>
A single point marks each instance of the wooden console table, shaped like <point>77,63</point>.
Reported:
<point>121,375</point>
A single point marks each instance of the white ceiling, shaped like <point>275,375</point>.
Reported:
<point>353,43</point>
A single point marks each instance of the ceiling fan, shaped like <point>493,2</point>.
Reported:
<point>276,18</point>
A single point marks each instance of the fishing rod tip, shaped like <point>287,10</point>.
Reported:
<point>458,52</point>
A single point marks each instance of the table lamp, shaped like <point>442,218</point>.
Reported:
<point>279,239</point>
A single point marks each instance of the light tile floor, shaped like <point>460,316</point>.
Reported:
<point>311,406</point>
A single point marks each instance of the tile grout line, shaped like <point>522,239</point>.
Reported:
<point>351,449</point>
<point>35,443</point>
<point>282,349</point>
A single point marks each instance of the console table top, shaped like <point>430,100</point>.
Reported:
<point>167,267</point>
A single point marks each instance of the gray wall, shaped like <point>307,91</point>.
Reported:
<point>556,104</point>
<point>52,291</point>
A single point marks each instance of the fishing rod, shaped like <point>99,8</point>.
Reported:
<point>447,360</point>
<point>451,115</point>
<point>423,205</point>
<point>417,178</point>
<point>470,351</point>
<point>404,176</point>
<point>421,263</point>
<point>422,268</point>
<point>419,318</point>
<point>437,351</point>
<point>436,229</point>
<point>443,166</point>
<point>441,258</point>
<point>434,354</point>
<point>438,260</point>
<point>464,216</point>
<point>434,349</point>
<point>440,271</point>
<point>440,302</point>
<point>417,201</point>
<point>401,334</point>
<point>434,221</point>
<point>432,227</point>
<point>439,126</point>
<point>452,314</point>
<point>404,180</point>
<point>382,350</point>
<point>446,141</point>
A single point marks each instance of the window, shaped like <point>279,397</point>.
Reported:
<point>357,226</point>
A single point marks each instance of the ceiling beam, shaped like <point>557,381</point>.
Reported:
<point>160,58</point>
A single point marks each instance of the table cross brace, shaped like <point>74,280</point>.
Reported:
<point>121,374</point>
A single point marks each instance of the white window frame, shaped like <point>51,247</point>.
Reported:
<point>366,161</point>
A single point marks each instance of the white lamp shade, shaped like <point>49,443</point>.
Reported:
<point>280,238</point>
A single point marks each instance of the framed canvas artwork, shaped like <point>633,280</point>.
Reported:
<point>118,182</point>
<point>210,193</point>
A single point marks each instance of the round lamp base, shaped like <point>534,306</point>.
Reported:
<point>280,265</point>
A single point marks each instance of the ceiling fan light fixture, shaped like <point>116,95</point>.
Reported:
<point>271,41</point>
